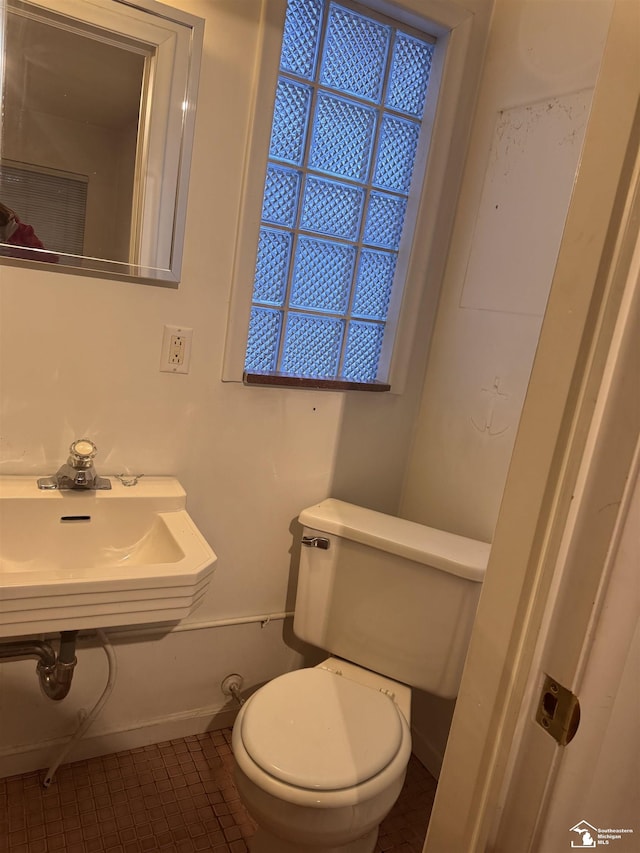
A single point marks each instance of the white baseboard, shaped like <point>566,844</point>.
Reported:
<point>25,759</point>
<point>427,753</point>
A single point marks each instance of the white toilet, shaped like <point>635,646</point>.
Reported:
<point>321,754</point>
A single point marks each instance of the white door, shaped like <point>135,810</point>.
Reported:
<point>598,779</point>
<point>586,792</point>
<point>563,511</point>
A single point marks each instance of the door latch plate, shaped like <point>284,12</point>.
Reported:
<point>558,711</point>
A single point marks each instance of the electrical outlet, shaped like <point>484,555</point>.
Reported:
<point>176,349</point>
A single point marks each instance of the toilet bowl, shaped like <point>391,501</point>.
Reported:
<point>321,756</point>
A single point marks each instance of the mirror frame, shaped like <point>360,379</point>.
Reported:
<point>165,133</point>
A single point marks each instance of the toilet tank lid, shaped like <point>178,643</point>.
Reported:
<point>458,555</point>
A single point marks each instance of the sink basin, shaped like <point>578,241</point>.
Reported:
<point>82,559</point>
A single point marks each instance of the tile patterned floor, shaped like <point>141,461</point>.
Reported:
<point>174,796</point>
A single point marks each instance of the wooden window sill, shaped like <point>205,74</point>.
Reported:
<point>287,380</point>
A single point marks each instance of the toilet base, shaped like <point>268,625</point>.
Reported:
<point>265,842</point>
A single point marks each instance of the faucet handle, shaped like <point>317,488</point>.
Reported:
<point>82,452</point>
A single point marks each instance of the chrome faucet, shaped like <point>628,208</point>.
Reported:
<point>78,472</point>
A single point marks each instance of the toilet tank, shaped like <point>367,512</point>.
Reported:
<point>388,594</point>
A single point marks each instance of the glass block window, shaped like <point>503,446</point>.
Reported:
<point>346,126</point>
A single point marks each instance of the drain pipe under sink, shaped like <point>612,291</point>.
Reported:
<point>90,718</point>
<point>55,671</point>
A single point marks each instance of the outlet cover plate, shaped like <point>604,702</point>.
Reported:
<point>176,349</point>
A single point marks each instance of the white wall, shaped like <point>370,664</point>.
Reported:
<point>540,55</point>
<point>80,356</point>
<point>541,67</point>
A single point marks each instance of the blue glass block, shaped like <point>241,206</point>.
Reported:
<point>396,153</point>
<point>331,208</point>
<point>322,275</point>
<point>289,126</point>
<point>355,54</point>
<point>385,217</point>
<point>280,203</point>
<point>300,39</point>
<point>342,137</point>
<point>409,76</point>
<point>374,280</point>
<point>264,336</point>
<point>312,345</point>
<point>362,353</point>
<point>272,266</point>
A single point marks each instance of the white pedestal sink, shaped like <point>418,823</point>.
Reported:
<point>85,559</point>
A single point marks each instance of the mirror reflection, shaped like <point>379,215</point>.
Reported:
<point>97,114</point>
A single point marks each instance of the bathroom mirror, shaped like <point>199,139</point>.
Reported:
<point>98,108</point>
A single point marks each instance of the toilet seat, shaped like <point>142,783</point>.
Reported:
<point>318,731</point>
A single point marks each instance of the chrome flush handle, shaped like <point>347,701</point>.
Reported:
<point>316,542</point>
